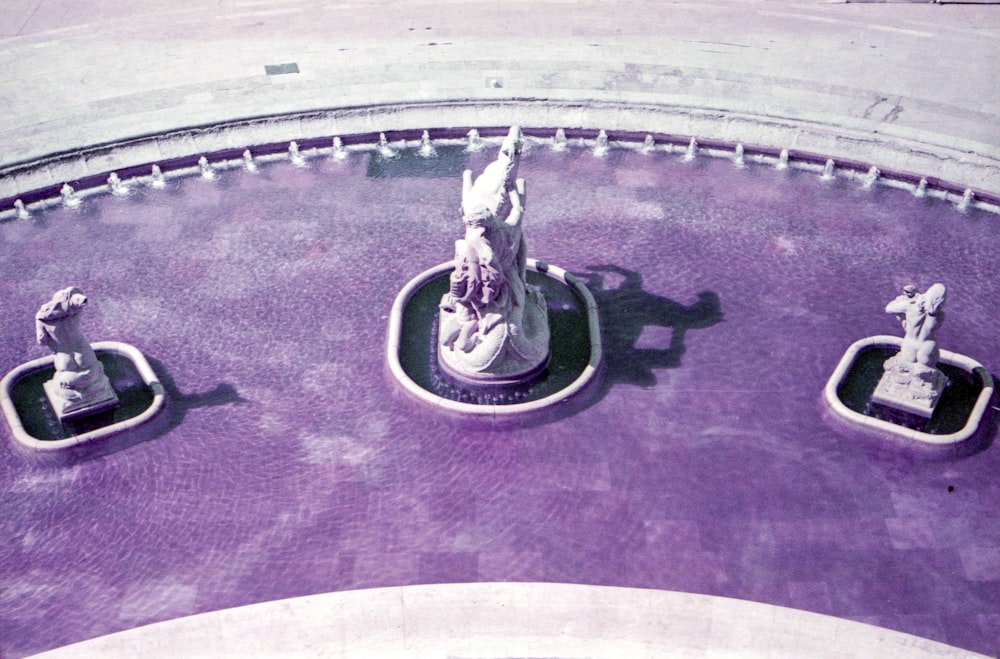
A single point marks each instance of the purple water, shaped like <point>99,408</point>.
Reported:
<point>294,466</point>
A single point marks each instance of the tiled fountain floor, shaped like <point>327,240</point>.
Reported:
<point>294,466</point>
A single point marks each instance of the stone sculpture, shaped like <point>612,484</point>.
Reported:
<point>911,381</point>
<point>79,388</point>
<point>493,326</point>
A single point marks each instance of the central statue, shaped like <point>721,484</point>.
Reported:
<point>494,326</point>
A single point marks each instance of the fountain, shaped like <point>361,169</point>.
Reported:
<point>475,142</point>
<point>294,155</point>
<point>69,197</point>
<point>738,158</point>
<point>22,210</point>
<point>426,149</point>
<point>79,387</point>
<point>492,324</point>
<point>871,178</point>
<point>692,150</point>
<point>156,178</point>
<point>559,140</point>
<point>966,201</point>
<point>248,163</point>
<point>829,170</point>
<point>648,144</point>
<point>339,153</point>
<point>290,315</point>
<point>782,160</point>
<point>601,144</point>
<point>921,189</point>
<point>116,186</point>
<point>384,149</point>
<point>207,173</point>
<point>924,395</point>
<point>67,399</point>
<point>911,381</point>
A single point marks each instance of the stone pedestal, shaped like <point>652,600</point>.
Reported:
<point>503,353</point>
<point>80,403</point>
<point>910,387</point>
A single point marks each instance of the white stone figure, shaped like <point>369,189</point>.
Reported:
<point>80,387</point>
<point>648,144</point>
<point>493,325</point>
<point>911,381</point>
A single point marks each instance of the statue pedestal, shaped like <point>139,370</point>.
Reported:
<point>504,354</point>
<point>97,398</point>
<point>909,387</point>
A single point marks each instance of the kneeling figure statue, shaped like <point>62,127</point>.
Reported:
<point>79,388</point>
<point>911,381</point>
<point>494,326</point>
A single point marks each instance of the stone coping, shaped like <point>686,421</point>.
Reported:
<point>480,620</point>
<point>125,350</point>
<point>897,157</point>
<point>495,412</point>
<point>883,428</point>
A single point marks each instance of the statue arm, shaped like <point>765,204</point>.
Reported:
<point>466,184</point>
<point>517,204</point>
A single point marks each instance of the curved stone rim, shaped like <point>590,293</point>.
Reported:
<point>881,427</point>
<point>502,619</point>
<point>589,374</point>
<point>26,439</point>
<point>899,159</point>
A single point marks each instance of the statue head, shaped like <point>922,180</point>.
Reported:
<point>66,302</point>
<point>64,305</point>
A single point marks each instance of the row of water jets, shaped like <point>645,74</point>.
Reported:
<point>474,142</point>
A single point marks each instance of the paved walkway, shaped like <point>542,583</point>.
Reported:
<point>904,86</point>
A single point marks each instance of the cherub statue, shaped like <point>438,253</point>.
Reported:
<point>79,385</point>
<point>912,371</point>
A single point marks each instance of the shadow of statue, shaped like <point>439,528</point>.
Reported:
<point>626,310</point>
<point>179,403</point>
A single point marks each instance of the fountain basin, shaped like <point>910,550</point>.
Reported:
<point>836,398</point>
<point>587,376</point>
<point>137,383</point>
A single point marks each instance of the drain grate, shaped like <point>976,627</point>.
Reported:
<point>281,69</point>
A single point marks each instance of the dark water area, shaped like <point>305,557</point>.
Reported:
<point>703,464</point>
